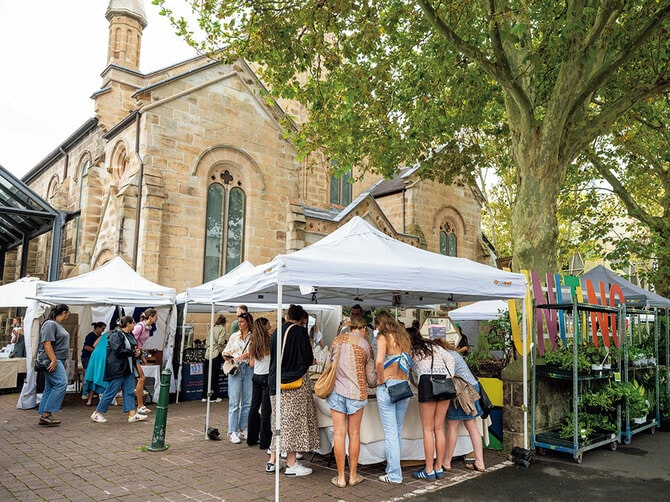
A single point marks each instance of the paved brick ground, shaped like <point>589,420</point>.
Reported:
<point>81,460</point>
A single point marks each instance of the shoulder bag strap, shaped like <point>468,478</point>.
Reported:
<point>283,345</point>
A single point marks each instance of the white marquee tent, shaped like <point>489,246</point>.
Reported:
<point>115,284</point>
<point>19,293</point>
<point>486,310</point>
<point>359,264</point>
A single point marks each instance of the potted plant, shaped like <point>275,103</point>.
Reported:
<point>562,357</point>
<point>584,430</point>
<point>596,355</point>
<point>637,402</point>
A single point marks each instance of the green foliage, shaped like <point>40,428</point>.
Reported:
<point>584,428</point>
<point>392,83</point>
<point>563,358</point>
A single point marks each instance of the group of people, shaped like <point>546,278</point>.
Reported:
<point>249,360</point>
<point>401,355</point>
<point>398,355</point>
<point>112,363</point>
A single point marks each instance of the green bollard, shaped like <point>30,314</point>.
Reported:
<point>158,441</point>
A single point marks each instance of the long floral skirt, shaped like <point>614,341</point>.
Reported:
<point>299,428</point>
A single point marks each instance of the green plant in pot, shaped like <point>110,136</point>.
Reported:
<point>595,355</point>
<point>584,429</point>
<point>562,357</point>
<point>636,400</point>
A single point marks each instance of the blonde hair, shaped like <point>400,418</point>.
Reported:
<point>357,322</point>
<point>391,330</point>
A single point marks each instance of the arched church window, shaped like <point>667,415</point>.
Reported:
<point>448,240</point>
<point>340,187</point>
<point>82,175</point>
<point>224,232</point>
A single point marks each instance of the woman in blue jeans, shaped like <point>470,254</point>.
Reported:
<point>55,346</point>
<point>239,384</point>
<point>393,364</point>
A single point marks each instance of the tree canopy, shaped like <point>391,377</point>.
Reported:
<point>390,83</point>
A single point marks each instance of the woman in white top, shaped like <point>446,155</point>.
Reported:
<point>429,356</point>
<point>239,384</point>
<point>259,349</point>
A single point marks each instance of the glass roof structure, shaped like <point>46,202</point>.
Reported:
<point>24,215</point>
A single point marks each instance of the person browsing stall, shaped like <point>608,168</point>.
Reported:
<point>239,382</point>
<point>54,346</point>
<point>122,351</point>
<point>355,372</point>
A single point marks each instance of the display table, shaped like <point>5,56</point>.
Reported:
<point>9,371</point>
<point>372,433</point>
<point>153,371</point>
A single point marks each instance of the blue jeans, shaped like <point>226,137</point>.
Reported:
<point>239,398</point>
<point>55,385</point>
<point>127,383</point>
<point>392,416</point>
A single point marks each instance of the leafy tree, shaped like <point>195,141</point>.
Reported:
<point>635,162</point>
<point>393,82</point>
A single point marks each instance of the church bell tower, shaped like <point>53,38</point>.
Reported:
<point>127,20</point>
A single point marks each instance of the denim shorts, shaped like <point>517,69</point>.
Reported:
<point>344,404</point>
<point>458,414</point>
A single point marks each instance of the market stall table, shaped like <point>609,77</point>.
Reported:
<point>372,433</point>
<point>9,371</point>
<point>153,371</point>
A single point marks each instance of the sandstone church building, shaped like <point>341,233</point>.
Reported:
<point>185,172</point>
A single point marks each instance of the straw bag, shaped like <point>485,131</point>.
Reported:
<point>326,383</point>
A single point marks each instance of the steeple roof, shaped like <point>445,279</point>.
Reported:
<point>132,8</point>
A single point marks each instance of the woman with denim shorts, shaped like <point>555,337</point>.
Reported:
<point>456,414</point>
<point>355,372</point>
<point>393,364</point>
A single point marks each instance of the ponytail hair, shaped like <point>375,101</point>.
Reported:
<point>58,310</point>
<point>147,314</point>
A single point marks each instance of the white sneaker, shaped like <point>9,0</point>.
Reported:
<point>242,435</point>
<point>143,410</point>
<point>204,399</point>
<point>98,417</point>
<point>115,402</point>
<point>297,470</point>
<point>137,418</point>
<point>217,400</point>
<point>234,438</point>
<point>298,456</point>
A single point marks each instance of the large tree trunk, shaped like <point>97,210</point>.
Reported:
<point>535,225</point>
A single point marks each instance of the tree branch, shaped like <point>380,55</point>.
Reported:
<point>581,136</point>
<point>607,70</point>
<point>633,208</point>
<point>500,71</point>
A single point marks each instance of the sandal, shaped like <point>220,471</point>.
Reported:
<point>356,481</point>
<point>336,482</point>
<point>49,421</point>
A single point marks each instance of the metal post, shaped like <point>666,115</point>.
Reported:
<point>158,440</point>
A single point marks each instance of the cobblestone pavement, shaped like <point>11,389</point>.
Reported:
<point>81,460</point>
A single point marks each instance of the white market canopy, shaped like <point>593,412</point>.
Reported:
<point>202,294</point>
<point>19,293</point>
<point>359,264</point>
<point>114,283</point>
<point>486,310</point>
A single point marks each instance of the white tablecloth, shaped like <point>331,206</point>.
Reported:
<point>372,433</point>
<point>9,371</point>
<point>153,371</point>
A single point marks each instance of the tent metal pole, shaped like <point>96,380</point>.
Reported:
<point>524,313</point>
<point>209,373</point>
<point>181,352</point>
<point>278,387</point>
